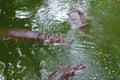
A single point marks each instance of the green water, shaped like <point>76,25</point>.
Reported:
<point>99,50</point>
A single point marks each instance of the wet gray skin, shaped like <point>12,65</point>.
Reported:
<point>35,35</point>
<point>63,73</point>
<point>78,20</point>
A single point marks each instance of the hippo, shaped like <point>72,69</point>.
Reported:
<point>78,20</point>
<point>18,33</point>
<point>64,73</point>
<point>75,16</point>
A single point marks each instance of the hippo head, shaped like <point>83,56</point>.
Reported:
<point>71,71</point>
<point>59,39</point>
<point>65,72</point>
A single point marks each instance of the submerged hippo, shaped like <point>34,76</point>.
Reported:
<point>63,73</point>
<point>78,20</point>
<point>35,35</point>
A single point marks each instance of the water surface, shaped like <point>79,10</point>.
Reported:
<point>98,50</point>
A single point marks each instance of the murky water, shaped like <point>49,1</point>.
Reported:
<point>98,50</point>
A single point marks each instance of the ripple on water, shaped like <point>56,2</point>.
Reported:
<point>50,18</point>
<point>2,67</point>
<point>0,11</point>
<point>23,14</point>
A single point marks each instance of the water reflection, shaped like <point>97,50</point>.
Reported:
<point>2,66</point>
<point>0,11</point>
<point>49,17</point>
<point>20,64</point>
<point>22,15</point>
